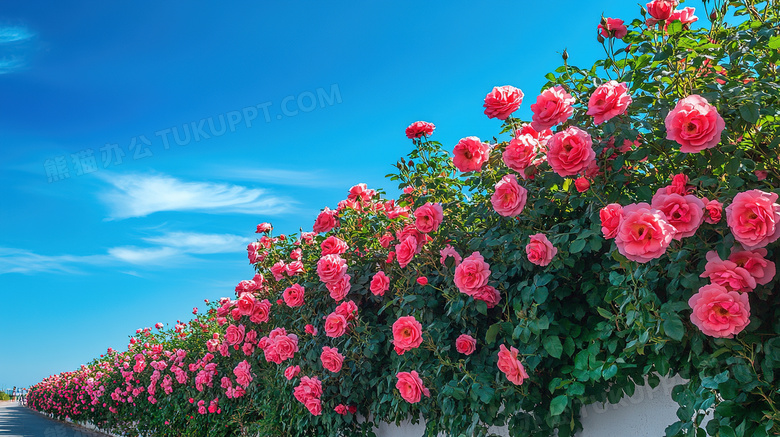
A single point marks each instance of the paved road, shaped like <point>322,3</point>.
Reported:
<point>18,421</point>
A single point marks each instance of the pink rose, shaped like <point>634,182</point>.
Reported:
<point>470,153</point>
<point>385,240</point>
<point>755,262</point>
<point>610,216</point>
<point>422,280</point>
<point>661,9</point>
<point>428,217</point>
<point>339,288</point>
<point>541,136</point>
<point>261,312</point>
<point>570,151</point>
<point>278,270</point>
<point>310,329</point>
<point>540,250</point>
<point>335,325</point>
<point>754,218</point>
<point>340,409</point>
<point>418,129</point>
<point>326,221</point>
<point>314,406</point>
<point>450,251</point>
<point>502,102</point>
<point>286,346</point>
<point>291,372</point>
<point>411,230</point>
<point>331,359</point>
<point>406,251</point>
<point>308,389</point>
<point>333,246</point>
<point>609,100</point>
<point>380,283</point>
<point>347,309</point>
<point>582,184</point>
<point>411,386</point>
<point>684,15</point>
<point>510,365</point>
<point>407,334</point>
<point>235,334</point>
<point>243,372</point>
<point>718,312</point>
<point>293,296</point>
<point>521,152</point>
<point>509,197</point>
<point>694,124</point>
<point>465,344</point>
<point>472,274</point>
<point>643,234</point>
<point>612,28</point>
<point>553,106</point>
<point>331,268</point>
<point>489,295</point>
<point>685,213</point>
<point>713,211</point>
<point>264,227</point>
<point>727,274</point>
<point>246,304</point>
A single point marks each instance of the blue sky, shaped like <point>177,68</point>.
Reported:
<point>157,111</point>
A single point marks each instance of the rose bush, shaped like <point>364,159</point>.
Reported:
<point>481,298</point>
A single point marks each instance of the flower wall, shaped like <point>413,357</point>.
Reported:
<point>628,229</point>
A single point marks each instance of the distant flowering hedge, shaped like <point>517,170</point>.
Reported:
<point>628,230</point>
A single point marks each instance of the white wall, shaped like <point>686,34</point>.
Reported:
<point>646,414</point>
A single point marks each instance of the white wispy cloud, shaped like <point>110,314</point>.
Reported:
<point>138,195</point>
<point>10,34</point>
<point>167,250</point>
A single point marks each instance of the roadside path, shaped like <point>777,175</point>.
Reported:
<point>19,421</point>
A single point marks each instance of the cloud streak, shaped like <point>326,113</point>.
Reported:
<point>138,195</point>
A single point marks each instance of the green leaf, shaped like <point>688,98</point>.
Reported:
<point>558,405</point>
<point>774,43</point>
<point>610,371</point>
<point>482,307</point>
<point>552,344</point>
<point>577,246</point>
<point>749,112</point>
<point>492,332</point>
<point>673,326</point>
<point>604,313</point>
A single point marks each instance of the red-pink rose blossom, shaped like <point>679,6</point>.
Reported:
<point>339,288</point>
<point>661,9</point>
<point>502,101</point>
<point>293,295</point>
<point>553,106</point>
<point>407,334</point>
<point>246,303</point>
<point>511,365</point>
<point>419,128</point>
<point>235,334</point>
<point>509,197</point>
<point>754,218</point>
<point>521,152</point>
<point>428,217</point>
<point>610,216</point>
<point>340,409</point>
<point>310,329</point>
<point>582,184</point>
<point>470,153</point>
<point>465,344</point>
<point>755,262</point>
<point>326,221</point>
<point>347,309</point>
<point>488,294</point>
<point>643,234</point>
<point>727,274</point>
<point>713,211</point>
<point>331,268</point>
<point>333,246</point>
<point>411,386</point>
<point>718,312</point>
<point>472,274</point>
<point>380,283</point>
<point>331,359</point>
<point>261,311</point>
<point>335,325</point>
<point>684,15</point>
<point>450,251</point>
<point>685,213</point>
<point>243,372</point>
<point>291,372</point>
<point>264,227</point>
<point>694,124</point>
<point>278,270</point>
<point>612,28</point>
<point>570,151</point>
<point>422,280</point>
<point>609,100</point>
<point>540,250</point>
<point>406,250</point>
